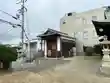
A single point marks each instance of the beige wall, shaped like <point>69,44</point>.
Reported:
<point>80,22</point>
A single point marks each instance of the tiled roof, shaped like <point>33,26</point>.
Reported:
<point>56,32</point>
<point>102,28</point>
<point>52,32</point>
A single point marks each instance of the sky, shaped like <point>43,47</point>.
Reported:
<point>41,14</point>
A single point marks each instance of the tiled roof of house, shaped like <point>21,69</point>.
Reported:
<point>50,32</point>
<point>102,28</point>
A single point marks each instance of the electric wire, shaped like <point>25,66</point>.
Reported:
<point>8,14</point>
<point>3,34</point>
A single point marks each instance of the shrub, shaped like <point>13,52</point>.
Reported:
<point>7,55</point>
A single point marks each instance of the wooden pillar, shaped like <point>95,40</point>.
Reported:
<point>58,47</point>
<point>58,44</point>
<point>41,45</point>
<point>45,48</point>
<point>61,49</point>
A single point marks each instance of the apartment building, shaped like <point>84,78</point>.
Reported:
<point>80,26</point>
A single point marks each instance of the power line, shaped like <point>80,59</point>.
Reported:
<point>9,14</point>
<point>21,11</point>
<point>4,33</point>
<point>14,26</point>
<point>10,23</point>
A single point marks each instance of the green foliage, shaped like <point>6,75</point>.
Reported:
<point>7,54</point>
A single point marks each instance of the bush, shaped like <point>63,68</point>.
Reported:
<point>7,55</point>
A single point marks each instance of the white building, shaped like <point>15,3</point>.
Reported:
<point>80,25</point>
<point>33,46</point>
<point>87,36</point>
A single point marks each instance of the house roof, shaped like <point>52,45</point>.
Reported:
<point>51,32</point>
<point>35,40</point>
<point>102,27</point>
<point>102,22</point>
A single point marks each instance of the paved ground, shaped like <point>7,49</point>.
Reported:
<point>80,70</point>
<point>84,64</point>
<point>41,64</point>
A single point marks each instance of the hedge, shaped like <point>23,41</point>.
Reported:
<point>7,55</point>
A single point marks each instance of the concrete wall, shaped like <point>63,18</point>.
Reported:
<point>33,49</point>
<point>39,65</point>
<point>79,23</point>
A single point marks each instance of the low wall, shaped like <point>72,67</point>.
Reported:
<point>40,64</point>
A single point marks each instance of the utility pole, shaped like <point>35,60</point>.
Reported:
<point>22,10</point>
<point>22,27</point>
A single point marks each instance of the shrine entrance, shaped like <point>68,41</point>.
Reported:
<point>57,44</point>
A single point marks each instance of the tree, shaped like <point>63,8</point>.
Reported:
<point>7,55</point>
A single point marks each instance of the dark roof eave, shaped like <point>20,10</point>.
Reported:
<point>48,35</point>
<point>58,32</point>
<point>68,37</point>
<point>99,23</point>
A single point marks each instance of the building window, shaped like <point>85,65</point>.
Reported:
<point>84,21</point>
<point>94,33</point>
<point>64,22</point>
<point>85,34</point>
<point>94,17</point>
<point>75,34</point>
<point>88,22</point>
<point>69,14</point>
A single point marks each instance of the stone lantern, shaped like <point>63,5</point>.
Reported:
<point>105,66</point>
<point>103,31</point>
